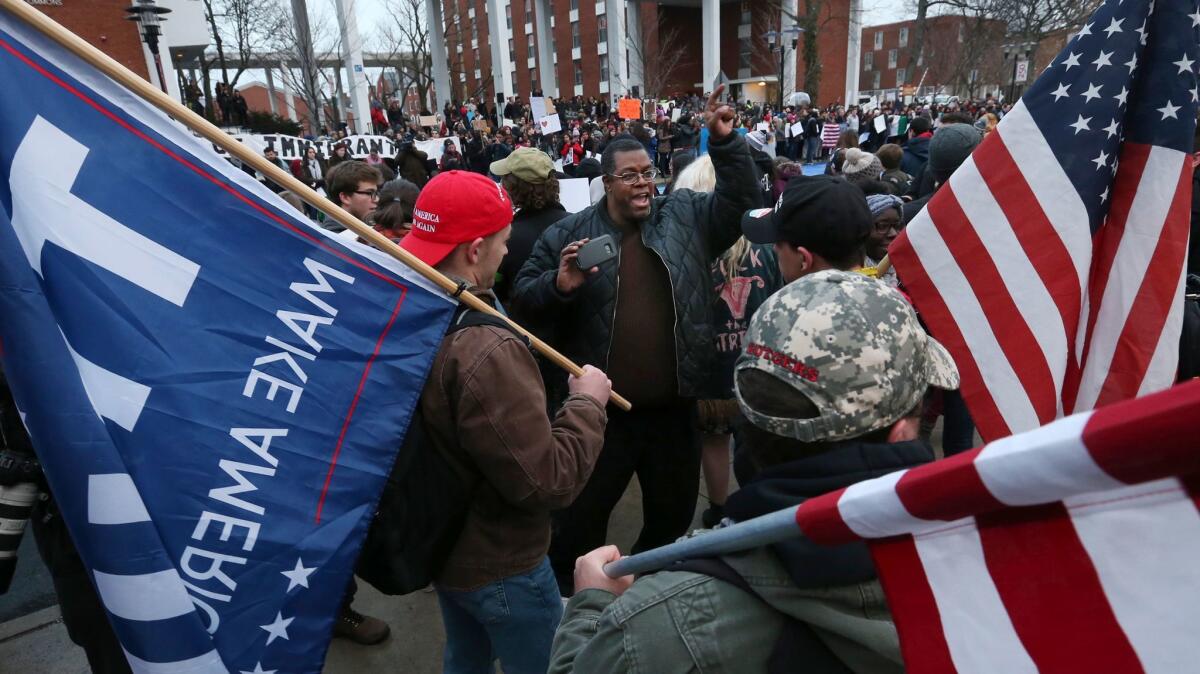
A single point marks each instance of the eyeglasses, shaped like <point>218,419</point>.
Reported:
<point>632,178</point>
<point>373,194</point>
<point>886,225</point>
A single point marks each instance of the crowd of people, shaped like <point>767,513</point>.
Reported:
<point>743,311</point>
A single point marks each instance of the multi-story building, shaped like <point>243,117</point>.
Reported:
<point>598,48</point>
<point>103,24</point>
<point>959,55</point>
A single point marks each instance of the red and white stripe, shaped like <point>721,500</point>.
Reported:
<point>1069,548</point>
<point>1041,317</point>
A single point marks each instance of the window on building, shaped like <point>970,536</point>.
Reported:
<point>901,75</point>
<point>529,45</point>
<point>875,80</point>
<point>528,11</point>
<point>602,29</point>
<point>475,56</point>
<point>892,58</point>
<point>474,30</point>
<point>960,32</point>
<point>878,39</point>
<point>578,74</point>
<point>508,16</point>
<point>869,61</point>
<point>512,51</point>
<point>921,57</point>
<point>575,41</point>
<point>574,4</point>
<point>903,37</point>
<point>745,52</point>
<point>604,67</point>
<point>745,13</point>
<point>533,78</point>
<point>513,74</point>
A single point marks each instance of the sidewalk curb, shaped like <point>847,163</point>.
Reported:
<point>18,627</point>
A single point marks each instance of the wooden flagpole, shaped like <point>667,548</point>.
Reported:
<point>206,129</point>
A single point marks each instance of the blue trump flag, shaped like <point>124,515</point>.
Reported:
<point>216,387</point>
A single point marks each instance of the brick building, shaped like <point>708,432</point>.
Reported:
<point>665,53</point>
<point>103,24</point>
<point>960,55</point>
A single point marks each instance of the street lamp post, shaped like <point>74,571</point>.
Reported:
<point>1016,52</point>
<point>148,16</point>
<point>775,38</point>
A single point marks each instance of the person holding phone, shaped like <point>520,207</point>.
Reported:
<point>644,317</point>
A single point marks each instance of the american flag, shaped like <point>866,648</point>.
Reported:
<point>1067,549</point>
<point>1051,263</point>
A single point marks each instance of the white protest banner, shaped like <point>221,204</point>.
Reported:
<point>675,112</point>
<point>797,130</point>
<point>880,123</point>
<point>537,106</point>
<point>573,194</point>
<point>360,147</point>
<point>550,124</point>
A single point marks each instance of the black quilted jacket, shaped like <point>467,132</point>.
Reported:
<point>687,229</point>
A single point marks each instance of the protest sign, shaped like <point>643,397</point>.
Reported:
<point>574,195</point>
<point>880,123</point>
<point>629,108</point>
<point>428,120</point>
<point>797,130</point>
<point>550,124</point>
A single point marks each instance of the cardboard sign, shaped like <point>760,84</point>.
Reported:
<point>479,124</point>
<point>428,120</point>
<point>550,124</point>
<point>629,108</point>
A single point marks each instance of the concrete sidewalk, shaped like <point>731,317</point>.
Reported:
<point>38,643</point>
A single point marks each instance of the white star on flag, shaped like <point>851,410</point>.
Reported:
<point>1086,30</point>
<point>1105,59</point>
<point>1060,92</point>
<point>1102,160</point>
<point>1081,124</point>
<point>1114,27</point>
<point>259,670</point>
<point>1072,60</point>
<point>278,628</point>
<point>1092,92</point>
<point>1195,96</point>
<point>1104,195</point>
<point>1169,110</point>
<point>1112,128</point>
<point>1185,65</point>
<point>1195,19</point>
<point>1122,96</point>
<point>1131,63</point>
<point>299,575</point>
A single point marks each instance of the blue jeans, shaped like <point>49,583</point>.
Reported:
<point>512,619</point>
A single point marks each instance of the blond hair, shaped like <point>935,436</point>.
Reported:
<point>700,176</point>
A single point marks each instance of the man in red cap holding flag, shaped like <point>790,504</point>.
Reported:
<point>484,405</point>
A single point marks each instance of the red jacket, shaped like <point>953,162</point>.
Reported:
<point>576,149</point>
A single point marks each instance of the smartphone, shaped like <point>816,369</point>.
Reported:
<point>598,250</point>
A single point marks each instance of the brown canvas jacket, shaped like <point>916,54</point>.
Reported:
<point>485,405</point>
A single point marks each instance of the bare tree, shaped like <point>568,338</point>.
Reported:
<point>404,38</point>
<point>319,91</point>
<point>242,24</point>
<point>659,55</point>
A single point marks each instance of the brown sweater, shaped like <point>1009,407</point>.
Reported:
<point>484,403</point>
<point>642,363</point>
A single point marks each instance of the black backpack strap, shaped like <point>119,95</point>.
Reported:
<point>797,643</point>
<point>466,317</point>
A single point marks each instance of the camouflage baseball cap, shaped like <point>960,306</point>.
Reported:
<point>851,345</point>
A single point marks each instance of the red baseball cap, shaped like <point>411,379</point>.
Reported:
<point>453,208</point>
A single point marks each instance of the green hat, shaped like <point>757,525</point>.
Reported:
<point>527,163</point>
<point>850,344</point>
